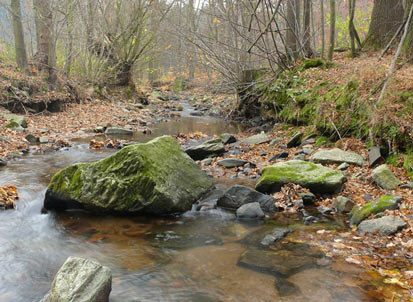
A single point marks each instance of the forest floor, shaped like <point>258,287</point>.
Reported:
<point>389,256</point>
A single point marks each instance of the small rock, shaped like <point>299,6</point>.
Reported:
<point>256,139</point>
<point>309,141</point>
<point>308,151</point>
<point>278,156</point>
<point>227,138</point>
<point>118,131</point>
<point>295,140</point>
<point>337,156</point>
<point>407,186</point>
<point>274,236</point>
<point>299,204</point>
<point>43,139</point>
<point>211,147</point>
<point>299,157</point>
<point>31,138</point>
<point>324,210</point>
<point>385,178</point>
<point>374,156</point>
<point>387,225</point>
<point>206,161</point>
<point>275,142</point>
<point>343,166</point>
<point>3,162</point>
<point>368,197</point>
<point>308,198</point>
<point>250,211</point>
<point>343,204</point>
<point>309,220</point>
<point>232,162</point>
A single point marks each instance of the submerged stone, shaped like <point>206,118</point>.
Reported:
<point>250,211</point>
<point>80,280</point>
<point>208,148</point>
<point>181,241</point>
<point>387,225</point>
<point>315,177</point>
<point>154,178</point>
<point>385,178</point>
<point>358,214</point>
<point>337,156</point>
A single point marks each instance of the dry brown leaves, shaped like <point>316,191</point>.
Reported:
<point>8,195</point>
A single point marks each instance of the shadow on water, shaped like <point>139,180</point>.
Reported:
<point>195,257</point>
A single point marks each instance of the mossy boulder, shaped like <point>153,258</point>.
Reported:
<point>385,178</point>
<point>315,177</point>
<point>358,214</point>
<point>15,121</point>
<point>313,63</point>
<point>154,178</point>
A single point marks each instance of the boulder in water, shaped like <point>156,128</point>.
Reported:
<point>208,148</point>
<point>80,280</point>
<point>154,178</point>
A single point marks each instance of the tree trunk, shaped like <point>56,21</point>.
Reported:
<point>69,23</point>
<point>293,24</point>
<point>46,47</point>
<point>323,39</point>
<point>408,44</point>
<point>307,29</point>
<point>90,24</point>
<point>332,29</point>
<point>351,9</point>
<point>21,55</point>
<point>191,29</point>
<point>386,18</point>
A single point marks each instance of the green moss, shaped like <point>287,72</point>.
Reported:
<point>321,140</point>
<point>408,164</point>
<point>313,63</point>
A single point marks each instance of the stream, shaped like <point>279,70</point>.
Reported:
<point>199,256</point>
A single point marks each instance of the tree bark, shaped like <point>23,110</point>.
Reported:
<point>307,29</point>
<point>293,25</point>
<point>69,23</point>
<point>408,44</point>
<point>332,29</point>
<point>386,18</point>
<point>351,29</point>
<point>323,39</point>
<point>21,55</point>
<point>46,47</point>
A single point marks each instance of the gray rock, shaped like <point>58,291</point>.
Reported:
<point>227,138</point>
<point>118,131</point>
<point>308,141</point>
<point>374,156</point>
<point>387,225</point>
<point>80,280</point>
<point>31,138</point>
<point>337,156</point>
<point>299,157</point>
<point>308,198</point>
<point>275,142</point>
<point>407,186</point>
<point>384,178</point>
<point>43,139</point>
<point>250,211</point>
<point>208,148</point>
<point>324,210</point>
<point>238,196</point>
<point>256,139</point>
<point>343,166</point>
<point>295,140</point>
<point>207,161</point>
<point>274,236</point>
<point>278,156</point>
<point>307,151</point>
<point>99,129</point>
<point>309,220</point>
<point>343,204</point>
<point>3,162</point>
<point>232,162</point>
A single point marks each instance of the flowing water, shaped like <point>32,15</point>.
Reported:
<point>195,257</point>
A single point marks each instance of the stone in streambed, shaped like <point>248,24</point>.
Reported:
<point>274,236</point>
<point>250,211</point>
<point>374,156</point>
<point>238,195</point>
<point>337,156</point>
<point>295,140</point>
<point>387,225</point>
<point>80,280</point>
<point>256,139</point>
<point>232,162</point>
<point>118,131</point>
<point>385,178</point>
<point>208,148</point>
<point>343,204</point>
<point>315,177</point>
<point>358,214</point>
<point>154,178</point>
<point>227,138</point>
<point>31,138</point>
<point>181,241</point>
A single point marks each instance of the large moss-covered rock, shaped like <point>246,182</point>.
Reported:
<point>358,214</point>
<point>155,178</point>
<point>315,177</point>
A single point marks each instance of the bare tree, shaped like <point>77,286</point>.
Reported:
<point>332,29</point>
<point>21,56</point>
